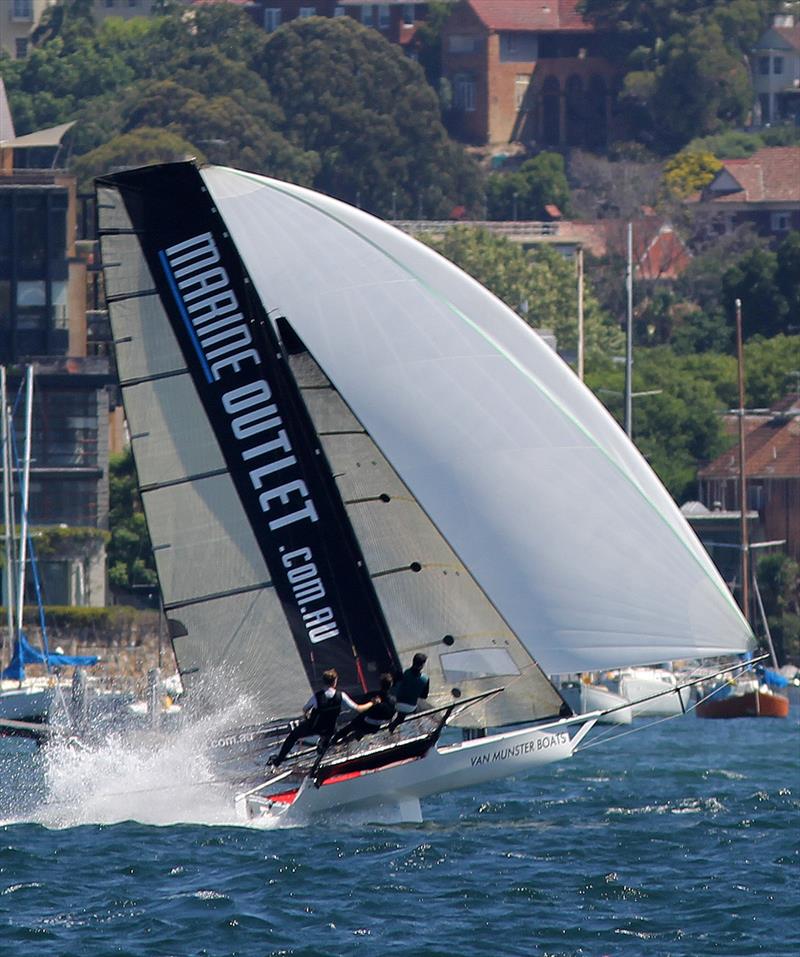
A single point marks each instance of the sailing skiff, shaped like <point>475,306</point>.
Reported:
<point>349,451</point>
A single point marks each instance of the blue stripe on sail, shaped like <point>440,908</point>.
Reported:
<point>185,315</point>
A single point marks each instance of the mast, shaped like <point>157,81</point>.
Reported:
<point>629,336</point>
<point>24,496</point>
<point>581,336</point>
<point>745,565</point>
<point>8,524</point>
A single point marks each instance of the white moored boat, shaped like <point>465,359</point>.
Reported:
<point>349,451</point>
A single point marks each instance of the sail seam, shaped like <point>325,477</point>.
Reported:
<point>140,380</point>
<point>264,183</point>
<point>229,593</point>
<point>199,476</point>
<point>125,296</point>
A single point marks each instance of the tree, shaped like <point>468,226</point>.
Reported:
<point>686,74</point>
<point>681,427</point>
<point>130,556</point>
<point>143,146</point>
<point>690,171</point>
<point>541,286</point>
<point>753,280</point>
<point>366,110</point>
<point>779,583</point>
<point>523,194</point>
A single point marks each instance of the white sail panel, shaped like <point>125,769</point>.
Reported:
<point>227,622</point>
<point>171,440</point>
<point>532,483</point>
<point>200,534</point>
<point>430,601</point>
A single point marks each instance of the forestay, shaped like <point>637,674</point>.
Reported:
<point>531,483</point>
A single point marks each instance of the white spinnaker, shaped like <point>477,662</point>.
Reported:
<point>533,484</point>
<point>213,578</point>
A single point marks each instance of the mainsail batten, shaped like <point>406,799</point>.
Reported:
<point>569,529</point>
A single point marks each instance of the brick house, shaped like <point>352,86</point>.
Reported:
<point>772,469</point>
<point>528,72</point>
<point>395,20</point>
<point>763,190</point>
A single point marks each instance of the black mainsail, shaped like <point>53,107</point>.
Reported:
<point>192,337</point>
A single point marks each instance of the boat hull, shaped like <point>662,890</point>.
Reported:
<point>392,793</point>
<point>641,685</point>
<point>753,704</point>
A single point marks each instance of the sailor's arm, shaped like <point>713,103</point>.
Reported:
<point>347,702</point>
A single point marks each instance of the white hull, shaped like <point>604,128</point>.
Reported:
<point>643,683</point>
<point>393,793</point>
<point>29,702</point>
<point>598,698</point>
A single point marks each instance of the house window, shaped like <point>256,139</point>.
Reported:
<point>109,4</point>
<point>763,103</point>
<point>521,83</point>
<point>306,12</point>
<point>383,16</point>
<point>408,13</point>
<point>777,65</point>
<point>458,43</point>
<point>22,10</point>
<point>763,65</point>
<point>21,48</point>
<point>780,222</point>
<point>519,47</point>
<point>338,11</point>
<point>366,16</point>
<point>464,92</point>
<point>272,18</point>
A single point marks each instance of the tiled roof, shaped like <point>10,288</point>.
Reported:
<point>555,15</point>
<point>658,251</point>
<point>770,175</point>
<point>772,448</point>
<point>790,34</point>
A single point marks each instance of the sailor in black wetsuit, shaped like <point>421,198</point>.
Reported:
<point>409,689</point>
<point>382,710</point>
<point>321,711</point>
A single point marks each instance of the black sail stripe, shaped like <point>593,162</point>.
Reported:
<point>262,426</point>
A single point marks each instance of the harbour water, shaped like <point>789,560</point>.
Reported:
<point>681,840</point>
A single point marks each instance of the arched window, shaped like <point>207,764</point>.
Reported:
<point>575,111</point>
<point>596,130</point>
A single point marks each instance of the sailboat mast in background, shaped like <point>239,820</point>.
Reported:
<point>8,524</point>
<point>745,550</point>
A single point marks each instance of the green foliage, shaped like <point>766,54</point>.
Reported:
<point>144,145</point>
<point>130,557</point>
<point>768,285</point>
<point>681,427</point>
<point>540,285</point>
<point>524,193</point>
<point>732,144</point>
<point>779,583</point>
<point>366,111</point>
<point>428,39</point>
<point>689,171</point>
<point>685,63</point>
<point>770,369</point>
